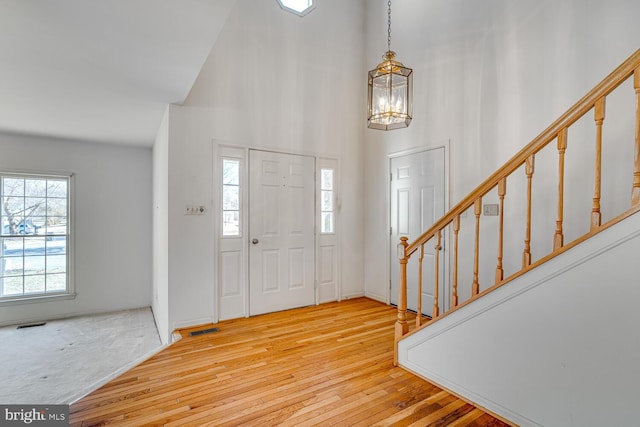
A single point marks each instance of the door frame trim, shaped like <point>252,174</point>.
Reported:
<point>244,218</point>
<point>446,144</point>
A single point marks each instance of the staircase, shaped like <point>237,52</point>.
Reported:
<point>541,327</point>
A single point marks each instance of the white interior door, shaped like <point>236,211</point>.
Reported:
<point>281,231</point>
<point>417,200</point>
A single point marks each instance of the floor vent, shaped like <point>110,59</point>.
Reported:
<point>31,325</point>
<point>203,331</point>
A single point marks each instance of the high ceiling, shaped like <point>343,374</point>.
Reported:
<point>104,70</point>
<point>100,70</point>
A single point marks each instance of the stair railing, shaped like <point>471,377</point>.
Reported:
<point>524,159</point>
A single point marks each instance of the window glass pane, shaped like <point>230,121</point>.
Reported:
<point>231,223</point>
<point>230,198</point>
<point>11,266</point>
<point>327,201</point>
<point>57,188</point>
<point>35,206</point>
<point>326,179</point>
<point>56,282</point>
<point>56,207</point>
<point>34,246</point>
<point>56,264</point>
<point>34,265</point>
<point>56,245</point>
<point>14,208</point>
<point>297,5</point>
<point>231,172</point>
<point>35,188</point>
<point>39,224</point>
<point>56,225</point>
<point>13,246</point>
<point>327,222</point>
<point>13,187</point>
<point>12,285</point>
<point>34,284</point>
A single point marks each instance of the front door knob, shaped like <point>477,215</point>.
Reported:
<point>255,241</point>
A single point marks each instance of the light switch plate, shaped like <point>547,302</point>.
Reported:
<point>195,210</point>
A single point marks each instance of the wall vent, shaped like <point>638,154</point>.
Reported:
<point>203,331</point>
<point>31,325</point>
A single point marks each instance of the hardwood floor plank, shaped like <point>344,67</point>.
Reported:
<point>328,365</point>
<point>440,414</point>
<point>470,416</point>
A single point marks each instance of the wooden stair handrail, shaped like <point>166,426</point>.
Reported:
<point>594,99</point>
<point>604,88</point>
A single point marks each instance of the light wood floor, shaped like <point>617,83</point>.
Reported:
<point>329,365</point>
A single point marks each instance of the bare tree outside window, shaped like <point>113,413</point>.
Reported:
<point>30,206</point>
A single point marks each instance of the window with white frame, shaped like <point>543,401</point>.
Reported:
<point>35,245</point>
<point>298,7</point>
<point>230,197</point>
<point>327,197</point>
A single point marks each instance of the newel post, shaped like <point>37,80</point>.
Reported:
<point>402,327</point>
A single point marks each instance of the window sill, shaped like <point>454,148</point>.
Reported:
<point>8,301</point>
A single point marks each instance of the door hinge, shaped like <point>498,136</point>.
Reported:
<point>390,176</point>
<point>390,231</point>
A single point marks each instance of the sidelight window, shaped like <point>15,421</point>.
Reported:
<point>327,201</point>
<point>230,197</point>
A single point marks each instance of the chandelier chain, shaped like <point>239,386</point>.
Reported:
<point>389,26</point>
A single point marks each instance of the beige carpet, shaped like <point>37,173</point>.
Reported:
<point>65,359</point>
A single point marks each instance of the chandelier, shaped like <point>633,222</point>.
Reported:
<point>389,94</point>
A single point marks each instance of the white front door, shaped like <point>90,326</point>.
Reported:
<point>281,231</point>
<point>417,201</point>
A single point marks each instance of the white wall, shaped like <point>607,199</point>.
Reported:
<point>112,223</point>
<point>160,296</point>
<point>183,245</point>
<point>489,77</point>
<point>277,81</point>
<point>556,347</point>
<point>191,256</point>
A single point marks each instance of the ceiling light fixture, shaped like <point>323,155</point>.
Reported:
<point>389,95</point>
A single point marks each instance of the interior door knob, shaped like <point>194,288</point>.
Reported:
<point>255,241</point>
